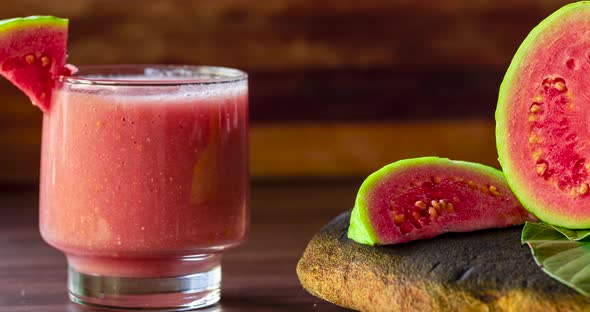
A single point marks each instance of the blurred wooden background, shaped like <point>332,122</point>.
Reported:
<point>338,88</point>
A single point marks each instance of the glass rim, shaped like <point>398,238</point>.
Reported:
<point>98,75</point>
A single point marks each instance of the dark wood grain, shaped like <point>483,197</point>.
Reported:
<point>293,34</point>
<point>258,276</point>
<point>373,94</point>
<point>309,61</point>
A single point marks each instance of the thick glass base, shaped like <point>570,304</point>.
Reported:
<point>178,293</point>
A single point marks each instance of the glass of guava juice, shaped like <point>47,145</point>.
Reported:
<point>145,182</point>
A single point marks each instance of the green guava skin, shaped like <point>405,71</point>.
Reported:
<point>37,20</point>
<point>528,197</point>
<point>361,230</point>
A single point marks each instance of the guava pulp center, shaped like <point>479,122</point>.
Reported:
<point>138,181</point>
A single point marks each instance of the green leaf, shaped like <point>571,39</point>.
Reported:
<point>538,231</point>
<point>573,234</point>
<point>563,255</point>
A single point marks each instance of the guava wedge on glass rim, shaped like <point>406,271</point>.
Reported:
<point>543,119</point>
<point>33,51</point>
<point>424,197</point>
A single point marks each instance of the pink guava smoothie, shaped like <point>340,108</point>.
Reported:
<point>141,181</point>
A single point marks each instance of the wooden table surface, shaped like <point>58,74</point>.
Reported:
<point>257,276</point>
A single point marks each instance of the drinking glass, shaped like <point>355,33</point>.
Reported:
<point>145,182</point>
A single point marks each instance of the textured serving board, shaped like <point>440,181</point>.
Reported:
<point>479,271</point>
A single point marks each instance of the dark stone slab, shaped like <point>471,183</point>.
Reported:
<point>478,271</point>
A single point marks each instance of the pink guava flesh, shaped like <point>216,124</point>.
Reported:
<point>429,196</point>
<point>30,57</point>
<point>543,117</point>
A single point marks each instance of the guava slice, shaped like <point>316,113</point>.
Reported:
<point>424,197</point>
<point>543,118</point>
<point>32,52</point>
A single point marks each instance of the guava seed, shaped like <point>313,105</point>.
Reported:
<point>560,86</point>
<point>494,190</point>
<point>533,138</point>
<point>420,204</point>
<point>432,212</point>
<point>450,207</point>
<point>398,219</point>
<point>435,204</point>
<point>541,168</point>
<point>532,118</point>
<point>535,108</point>
<point>45,61</point>
<point>583,188</point>
<point>30,58</point>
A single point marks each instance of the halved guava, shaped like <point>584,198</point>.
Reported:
<point>32,52</point>
<point>425,197</point>
<point>543,119</point>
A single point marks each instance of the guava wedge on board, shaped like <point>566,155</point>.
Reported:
<point>32,52</point>
<point>424,197</point>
